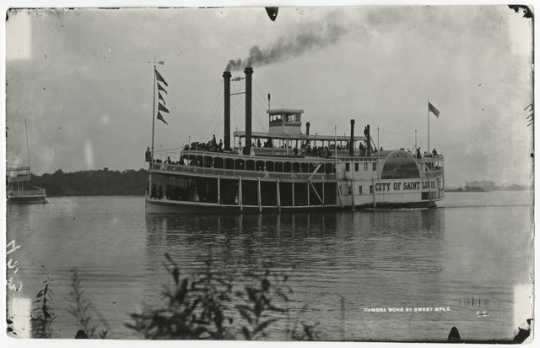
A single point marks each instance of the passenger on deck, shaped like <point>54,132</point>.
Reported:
<point>220,146</point>
<point>258,142</point>
<point>362,149</point>
<point>418,153</point>
<point>147,155</point>
<point>434,152</point>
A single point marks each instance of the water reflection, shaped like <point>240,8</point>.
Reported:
<point>356,256</point>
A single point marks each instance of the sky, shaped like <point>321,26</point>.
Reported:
<point>83,80</point>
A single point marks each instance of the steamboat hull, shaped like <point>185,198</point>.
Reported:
<point>174,188</point>
<point>27,200</point>
<point>175,207</point>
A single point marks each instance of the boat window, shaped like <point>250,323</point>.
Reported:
<point>287,167</point>
<point>365,165</point>
<point>296,167</point>
<point>218,162</point>
<point>305,168</point>
<point>270,166</point>
<point>400,165</point>
<point>374,166</point>
<point>347,166</point>
<point>279,167</point>
<point>250,165</point>
<point>239,164</point>
<point>356,165</point>
<point>359,189</point>
<point>275,119</point>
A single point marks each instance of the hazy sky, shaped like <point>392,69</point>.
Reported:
<point>82,80</point>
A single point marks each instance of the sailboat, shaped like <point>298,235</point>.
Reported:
<point>19,189</point>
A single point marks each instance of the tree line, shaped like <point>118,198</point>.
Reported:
<point>103,182</point>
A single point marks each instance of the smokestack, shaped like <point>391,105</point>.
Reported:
<point>307,128</point>
<point>351,142</point>
<point>248,71</point>
<point>368,139</point>
<point>227,110</point>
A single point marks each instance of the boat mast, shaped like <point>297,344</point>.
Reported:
<point>27,142</point>
<point>153,113</point>
<point>428,144</point>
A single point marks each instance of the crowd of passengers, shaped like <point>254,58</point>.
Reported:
<point>305,148</point>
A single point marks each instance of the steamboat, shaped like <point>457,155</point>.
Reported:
<point>288,168</point>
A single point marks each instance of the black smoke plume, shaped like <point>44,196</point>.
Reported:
<point>310,37</point>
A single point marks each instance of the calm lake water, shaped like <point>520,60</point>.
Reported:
<point>467,255</point>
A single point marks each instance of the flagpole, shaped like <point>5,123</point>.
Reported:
<point>428,142</point>
<point>153,112</point>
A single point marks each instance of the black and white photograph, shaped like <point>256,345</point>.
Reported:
<point>283,173</point>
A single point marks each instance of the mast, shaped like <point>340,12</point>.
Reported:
<point>27,143</point>
<point>428,143</point>
<point>378,143</point>
<point>153,114</point>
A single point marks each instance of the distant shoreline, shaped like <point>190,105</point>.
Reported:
<point>131,182</point>
<point>486,191</point>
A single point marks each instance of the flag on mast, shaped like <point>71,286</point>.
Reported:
<point>162,108</point>
<point>161,100</point>
<point>160,117</point>
<point>160,97</point>
<point>160,88</point>
<point>160,78</point>
<point>433,109</point>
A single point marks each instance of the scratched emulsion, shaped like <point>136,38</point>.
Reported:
<point>467,256</point>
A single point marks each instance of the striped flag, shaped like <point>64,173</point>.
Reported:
<point>433,109</point>
<point>160,78</point>
<point>161,100</point>
<point>160,117</point>
<point>162,108</point>
<point>160,97</point>
<point>160,88</point>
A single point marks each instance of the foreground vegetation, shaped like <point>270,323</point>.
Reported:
<point>202,305</point>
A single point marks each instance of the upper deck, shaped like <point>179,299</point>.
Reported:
<point>18,174</point>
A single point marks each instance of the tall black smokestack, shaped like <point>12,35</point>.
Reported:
<point>307,128</point>
<point>227,109</point>
<point>248,71</point>
<point>351,142</point>
<point>368,140</point>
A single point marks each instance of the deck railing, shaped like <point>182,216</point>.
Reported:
<point>26,193</point>
<point>176,168</point>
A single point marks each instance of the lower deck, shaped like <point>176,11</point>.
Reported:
<point>191,192</point>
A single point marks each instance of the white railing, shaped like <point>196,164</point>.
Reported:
<point>26,193</point>
<point>240,172</point>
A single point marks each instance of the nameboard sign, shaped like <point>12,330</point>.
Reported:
<point>405,186</point>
